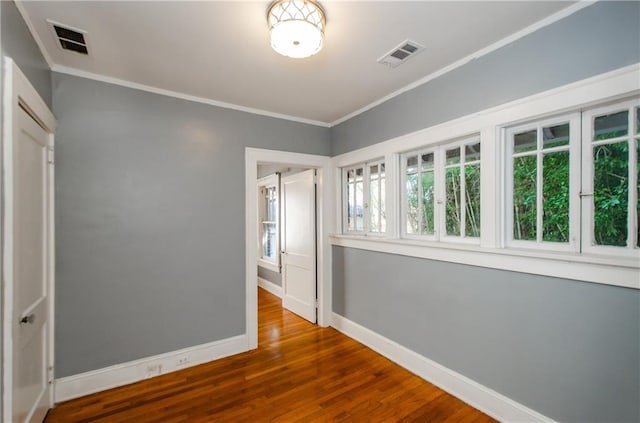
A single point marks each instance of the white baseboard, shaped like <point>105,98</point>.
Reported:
<point>479,396</point>
<point>82,384</point>
<point>270,287</point>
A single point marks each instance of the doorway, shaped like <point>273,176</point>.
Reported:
<point>287,236</point>
<point>323,210</point>
<point>28,245</point>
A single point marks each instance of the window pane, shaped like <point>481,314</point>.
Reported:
<point>472,196</point>
<point>412,164</point>
<point>427,161</point>
<point>428,203</point>
<point>383,218</point>
<point>351,175</point>
<point>373,171</point>
<point>359,205</point>
<point>555,197</point>
<point>638,187</point>
<point>638,120</point>
<point>525,141</point>
<point>472,152</point>
<point>524,198</point>
<point>350,206</point>
<point>374,204</point>
<point>452,213</point>
<point>412,204</point>
<point>269,240</point>
<point>453,156</point>
<point>610,193</point>
<point>555,136</point>
<point>611,126</point>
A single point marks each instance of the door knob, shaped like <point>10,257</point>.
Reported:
<point>28,319</point>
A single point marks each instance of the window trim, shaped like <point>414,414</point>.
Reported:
<point>611,86</point>
<point>573,119</point>
<point>587,220</point>
<point>366,194</point>
<point>270,181</point>
<point>439,170</point>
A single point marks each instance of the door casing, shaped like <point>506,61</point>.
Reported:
<point>19,93</point>
<point>324,213</point>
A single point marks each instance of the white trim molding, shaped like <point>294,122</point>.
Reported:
<point>270,287</point>
<point>325,212</point>
<point>82,384</point>
<point>161,91</point>
<point>493,251</point>
<point>473,393</point>
<point>482,52</point>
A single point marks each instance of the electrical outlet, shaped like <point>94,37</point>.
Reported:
<point>154,370</point>
<point>182,361</point>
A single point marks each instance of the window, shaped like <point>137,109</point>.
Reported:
<point>542,195</point>
<point>573,181</point>
<point>441,191</point>
<point>364,198</point>
<point>610,155</point>
<point>268,201</point>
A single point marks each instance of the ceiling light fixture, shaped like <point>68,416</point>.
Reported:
<point>297,27</point>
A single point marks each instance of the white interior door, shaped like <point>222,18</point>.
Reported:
<point>299,244</point>
<point>30,260</point>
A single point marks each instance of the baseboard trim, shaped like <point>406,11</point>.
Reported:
<point>82,384</point>
<point>479,396</point>
<point>270,287</point>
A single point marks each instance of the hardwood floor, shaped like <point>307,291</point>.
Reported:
<point>300,372</point>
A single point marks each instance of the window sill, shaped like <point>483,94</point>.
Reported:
<point>623,272</point>
<point>268,265</point>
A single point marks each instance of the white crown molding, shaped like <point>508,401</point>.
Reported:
<point>136,86</point>
<point>482,52</point>
<point>473,393</point>
<point>34,33</point>
<point>82,384</point>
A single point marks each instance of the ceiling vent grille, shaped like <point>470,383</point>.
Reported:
<point>400,54</point>
<point>70,38</point>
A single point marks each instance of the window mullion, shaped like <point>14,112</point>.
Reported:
<point>366,200</point>
<point>463,187</point>
<point>632,218</point>
<point>420,194</point>
<point>539,182</point>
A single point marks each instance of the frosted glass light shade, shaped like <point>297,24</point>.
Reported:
<point>297,27</point>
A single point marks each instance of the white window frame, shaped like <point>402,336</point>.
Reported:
<point>492,252</point>
<point>366,194</point>
<point>588,117</point>
<point>271,181</point>
<point>573,119</point>
<point>403,194</point>
<point>367,201</point>
<point>439,213</point>
<point>443,189</point>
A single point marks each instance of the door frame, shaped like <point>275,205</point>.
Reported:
<point>19,93</point>
<point>324,217</point>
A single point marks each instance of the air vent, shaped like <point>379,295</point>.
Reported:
<point>401,53</point>
<point>70,38</point>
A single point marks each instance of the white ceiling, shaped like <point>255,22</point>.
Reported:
<point>220,50</point>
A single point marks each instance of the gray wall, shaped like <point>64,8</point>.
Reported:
<point>597,39</point>
<point>150,220</point>
<point>18,44</point>
<point>567,349</point>
<point>270,275</point>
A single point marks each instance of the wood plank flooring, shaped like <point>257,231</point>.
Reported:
<point>299,373</point>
